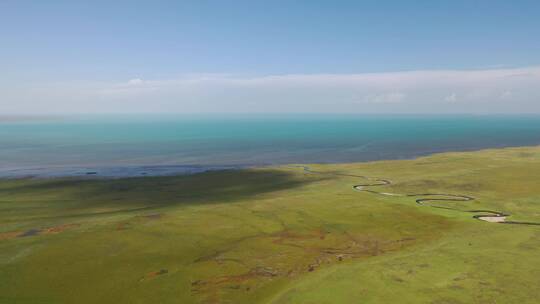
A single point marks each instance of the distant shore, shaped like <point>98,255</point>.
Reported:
<point>130,171</point>
<point>110,171</point>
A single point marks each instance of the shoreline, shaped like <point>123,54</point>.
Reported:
<point>135,171</point>
<point>111,172</point>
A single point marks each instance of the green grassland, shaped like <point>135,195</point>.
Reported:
<point>277,235</point>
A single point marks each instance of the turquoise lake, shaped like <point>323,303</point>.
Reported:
<point>168,144</point>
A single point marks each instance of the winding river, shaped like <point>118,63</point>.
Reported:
<point>427,199</point>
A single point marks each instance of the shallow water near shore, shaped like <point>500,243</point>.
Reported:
<point>121,146</point>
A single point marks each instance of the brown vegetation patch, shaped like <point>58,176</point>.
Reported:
<point>122,226</point>
<point>289,238</point>
<point>154,274</point>
<point>234,281</point>
<point>58,229</point>
<point>318,248</point>
<point>9,235</point>
<point>36,231</point>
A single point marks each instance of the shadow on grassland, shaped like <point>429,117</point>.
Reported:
<point>131,194</point>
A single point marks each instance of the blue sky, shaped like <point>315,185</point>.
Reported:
<point>99,45</point>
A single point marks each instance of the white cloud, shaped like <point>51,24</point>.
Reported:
<point>451,98</point>
<point>445,91</point>
<point>507,94</point>
<point>135,81</point>
<point>394,97</point>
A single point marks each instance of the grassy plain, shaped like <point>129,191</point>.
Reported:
<point>277,235</point>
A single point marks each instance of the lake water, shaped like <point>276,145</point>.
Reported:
<point>168,144</point>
